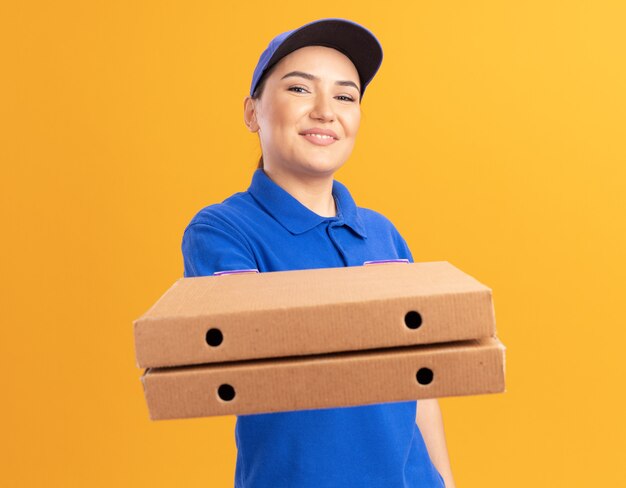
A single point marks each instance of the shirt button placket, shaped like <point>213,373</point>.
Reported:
<point>329,229</point>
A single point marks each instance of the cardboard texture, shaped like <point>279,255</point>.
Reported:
<point>314,311</point>
<point>333,380</point>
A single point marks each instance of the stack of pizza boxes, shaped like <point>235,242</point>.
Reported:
<point>239,343</point>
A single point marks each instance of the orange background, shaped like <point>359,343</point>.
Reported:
<point>493,138</point>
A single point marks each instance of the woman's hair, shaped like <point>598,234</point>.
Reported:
<point>257,94</point>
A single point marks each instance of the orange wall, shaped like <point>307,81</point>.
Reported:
<point>493,137</point>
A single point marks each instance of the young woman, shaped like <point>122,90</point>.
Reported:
<point>304,104</point>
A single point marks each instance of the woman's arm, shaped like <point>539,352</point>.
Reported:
<point>430,423</point>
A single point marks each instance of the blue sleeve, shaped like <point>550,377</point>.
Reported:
<point>403,247</point>
<point>207,249</point>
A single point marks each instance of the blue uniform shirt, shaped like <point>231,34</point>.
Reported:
<point>267,229</point>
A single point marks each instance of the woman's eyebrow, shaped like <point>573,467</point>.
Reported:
<point>309,76</point>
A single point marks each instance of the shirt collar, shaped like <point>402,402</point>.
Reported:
<point>293,215</point>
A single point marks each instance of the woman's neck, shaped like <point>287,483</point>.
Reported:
<point>314,193</point>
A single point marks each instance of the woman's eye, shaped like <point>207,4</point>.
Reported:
<point>297,89</point>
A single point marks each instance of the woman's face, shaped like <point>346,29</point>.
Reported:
<point>314,87</point>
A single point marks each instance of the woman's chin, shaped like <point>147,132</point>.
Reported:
<point>324,168</point>
<point>321,165</point>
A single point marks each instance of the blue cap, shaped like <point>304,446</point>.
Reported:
<point>350,38</point>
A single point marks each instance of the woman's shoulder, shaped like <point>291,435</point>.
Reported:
<point>373,219</point>
<point>219,214</point>
<point>212,241</point>
<point>378,224</point>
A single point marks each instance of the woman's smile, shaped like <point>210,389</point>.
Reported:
<point>319,139</point>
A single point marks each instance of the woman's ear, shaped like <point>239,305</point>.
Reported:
<point>249,114</point>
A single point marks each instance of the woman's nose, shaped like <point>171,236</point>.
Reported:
<point>322,108</point>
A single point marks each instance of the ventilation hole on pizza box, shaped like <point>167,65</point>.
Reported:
<point>424,376</point>
<point>226,392</point>
<point>214,337</point>
<point>413,319</point>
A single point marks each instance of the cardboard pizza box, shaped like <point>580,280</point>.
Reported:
<point>326,381</point>
<point>214,319</point>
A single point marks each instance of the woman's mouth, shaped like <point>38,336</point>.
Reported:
<point>319,139</point>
